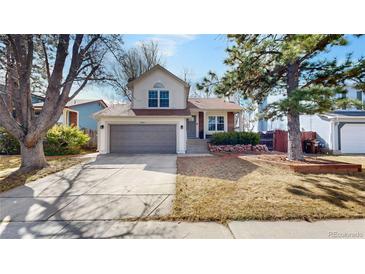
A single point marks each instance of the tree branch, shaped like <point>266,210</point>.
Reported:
<point>91,73</point>
<point>46,60</point>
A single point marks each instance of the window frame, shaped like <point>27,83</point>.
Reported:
<point>216,124</point>
<point>361,98</point>
<point>150,92</point>
<point>220,124</point>
<point>158,98</point>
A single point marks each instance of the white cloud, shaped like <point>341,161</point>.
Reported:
<point>169,43</point>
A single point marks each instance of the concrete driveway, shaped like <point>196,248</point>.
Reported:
<point>113,187</point>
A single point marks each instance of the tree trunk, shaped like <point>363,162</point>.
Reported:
<point>32,157</point>
<point>295,151</point>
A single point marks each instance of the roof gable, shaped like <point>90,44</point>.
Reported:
<point>153,69</point>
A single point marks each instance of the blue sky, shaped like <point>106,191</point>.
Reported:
<point>198,54</point>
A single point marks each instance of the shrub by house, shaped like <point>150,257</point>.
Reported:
<point>64,140</point>
<point>60,140</point>
<point>8,144</point>
<point>235,138</point>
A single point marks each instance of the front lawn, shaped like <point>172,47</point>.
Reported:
<point>230,188</point>
<point>9,178</point>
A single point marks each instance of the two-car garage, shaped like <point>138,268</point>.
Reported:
<point>143,138</point>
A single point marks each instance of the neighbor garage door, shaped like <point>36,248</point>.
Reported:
<point>353,138</point>
<point>143,138</point>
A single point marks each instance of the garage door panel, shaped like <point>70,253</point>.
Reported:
<point>143,138</point>
<point>353,138</point>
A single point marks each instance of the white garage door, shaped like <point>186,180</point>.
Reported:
<point>353,138</point>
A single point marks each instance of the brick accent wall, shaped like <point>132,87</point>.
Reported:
<point>230,122</point>
<point>201,125</point>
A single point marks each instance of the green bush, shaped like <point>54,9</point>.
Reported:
<point>8,144</point>
<point>235,138</point>
<point>64,140</point>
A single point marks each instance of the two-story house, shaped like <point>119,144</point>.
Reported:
<point>161,117</point>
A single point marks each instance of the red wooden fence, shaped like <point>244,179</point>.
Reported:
<point>92,144</point>
<point>280,142</point>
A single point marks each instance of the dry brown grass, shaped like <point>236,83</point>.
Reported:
<point>10,178</point>
<point>231,188</point>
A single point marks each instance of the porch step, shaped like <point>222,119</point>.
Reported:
<point>197,146</point>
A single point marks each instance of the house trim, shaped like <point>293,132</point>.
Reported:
<point>339,127</point>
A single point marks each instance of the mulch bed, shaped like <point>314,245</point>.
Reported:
<point>310,164</point>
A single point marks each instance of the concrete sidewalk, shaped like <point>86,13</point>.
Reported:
<point>333,229</point>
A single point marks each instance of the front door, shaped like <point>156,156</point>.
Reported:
<point>191,127</point>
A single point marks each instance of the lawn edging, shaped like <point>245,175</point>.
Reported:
<point>315,168</point>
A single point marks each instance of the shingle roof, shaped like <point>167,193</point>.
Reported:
<point>212,104</point>
<point>76,102</point>
<point>119,110</point>
<point>354,113</point>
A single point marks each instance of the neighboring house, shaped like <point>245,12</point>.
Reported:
<point>85,109</point>
<point>68,117</point>
<point>161,117</point>
<point>341,131</point>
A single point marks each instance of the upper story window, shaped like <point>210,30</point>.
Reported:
<point>164,98</point>
<point>153,99</point>
<point>159,96</point>
<point>360,95</point>
<point>353,94</point>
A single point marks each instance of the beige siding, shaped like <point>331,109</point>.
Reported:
<point>176,90</point>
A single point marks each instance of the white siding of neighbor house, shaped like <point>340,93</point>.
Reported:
<point>320,126</point>
<point>104,134</point>
<point>177,92</point>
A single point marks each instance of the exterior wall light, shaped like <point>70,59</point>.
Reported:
<point>102,127</point>
<point>181,127</point>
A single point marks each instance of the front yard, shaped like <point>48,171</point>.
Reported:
<point>223,188</point>
<point>9,164</point>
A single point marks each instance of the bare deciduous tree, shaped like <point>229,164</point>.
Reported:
<point>132,63</point>
<point>60,66</point>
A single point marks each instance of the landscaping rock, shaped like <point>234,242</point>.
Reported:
<point>238,148</point>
